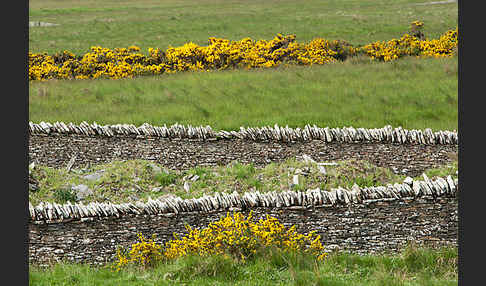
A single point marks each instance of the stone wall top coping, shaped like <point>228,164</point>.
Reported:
<point>46,212</point>
<point>266,133</point>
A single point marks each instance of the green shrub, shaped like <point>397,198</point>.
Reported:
<point>64,195</point>
<point>165,179</point>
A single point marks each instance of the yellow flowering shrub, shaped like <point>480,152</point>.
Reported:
<point>416,29</point>
<point>413,44</point>
<point>221,54</point>
<point>218,54</point>
<point>143,253</point>
<point>235,235</point>
<point>445,46</point>
<point>241,238</point>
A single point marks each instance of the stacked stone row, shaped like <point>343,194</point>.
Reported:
<point>266,133</point>
<point>440,187</point>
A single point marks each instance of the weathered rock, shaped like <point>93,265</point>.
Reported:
<point>452,186</point>
<point>408,181</point>
<point>94,176</point>
<point>33,184</point>
<point>187,186</point>
<point>308,159</point>
<point>155,168</point>
<point>81,191</point>
<point>41,24</point>
<point>416,187</point>
<point>295,180</point>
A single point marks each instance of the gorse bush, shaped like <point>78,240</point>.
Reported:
<point>219,54</point>
<point>242,238</point>
<point>222,54</point>
<point>413,44</point>
<point>234,236</point>
<point>144,253</point>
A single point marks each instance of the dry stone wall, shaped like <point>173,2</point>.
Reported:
<point>55,148</point>
<point>266,133</point>
<point>362,220</point>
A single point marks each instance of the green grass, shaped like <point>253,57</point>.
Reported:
<point>412,93</point>
<point>412,266</point>
<point>138,179</point>
<point>158,24</point>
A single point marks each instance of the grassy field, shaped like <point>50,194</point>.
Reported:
<point>158,24</point>
<point>413,266</point>
<point>412,93</point>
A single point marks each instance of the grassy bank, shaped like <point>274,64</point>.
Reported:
<point>412,93</point>
<point>138,179</point>
<point>413,266</point>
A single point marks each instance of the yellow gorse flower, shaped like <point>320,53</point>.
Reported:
<point>233,235</point>
<point>218,54</point>
<point>409,45</point>
<point>144,253</point>
<point>224,54</point>
<point>417,24</point>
